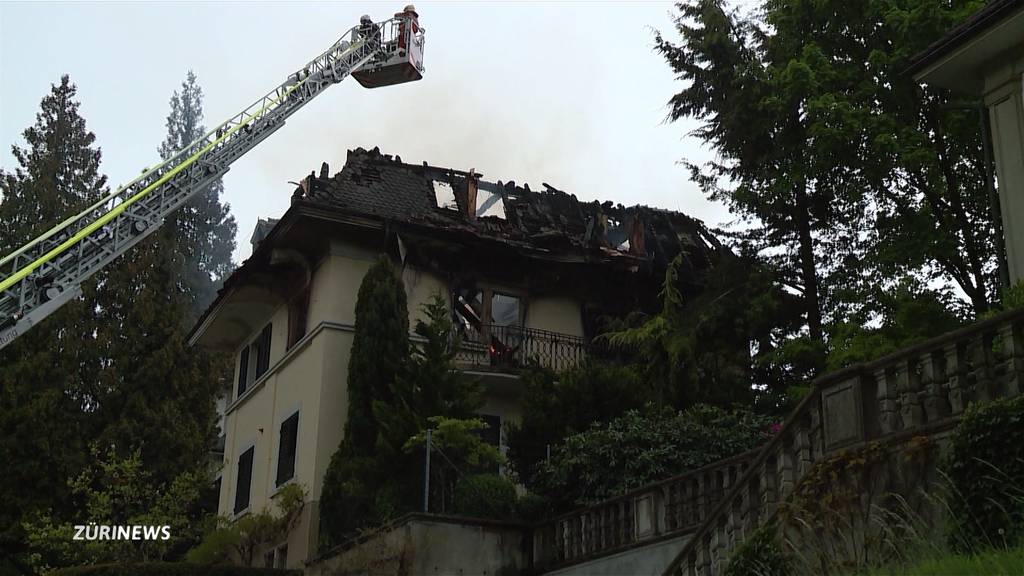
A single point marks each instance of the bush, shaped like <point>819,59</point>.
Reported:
<point>985,466</point>
<point>171,569</point>
<point>759,555</point>
<point>485,496</point>
<point>643,447</point>
<point>533,508</point>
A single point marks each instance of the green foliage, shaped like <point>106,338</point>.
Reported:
<point>116,491</point>
<point>985,467</point>
<point>46,373</point>
<point>533,508</point>
<point>485,496</point>
<point>1001,561</point>
<point>380,350</point>
<point>460,441</point>
<point>555,406</point>
<point>846,175</point>
<point>638,448</point>
<point>239,539</point>
<point>171,569</point>
<point>760,554</point>
<point>909,315</point>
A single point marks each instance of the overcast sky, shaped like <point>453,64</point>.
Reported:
<point>568,93</point>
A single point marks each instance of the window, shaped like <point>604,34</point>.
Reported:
<point>286,451</point>
<point>298,311</point>
<point>505,310</point>
<point>254,360</point>
<point>244,480</point>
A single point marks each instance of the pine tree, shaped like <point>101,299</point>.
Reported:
<point>204,230</point>
<point>45,375</point>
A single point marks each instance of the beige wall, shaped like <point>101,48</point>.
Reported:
<point>311,378</point>
<point>557,314</point>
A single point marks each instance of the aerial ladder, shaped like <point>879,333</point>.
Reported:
<point>44,274</point>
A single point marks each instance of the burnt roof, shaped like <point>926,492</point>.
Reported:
<point>550,220</point>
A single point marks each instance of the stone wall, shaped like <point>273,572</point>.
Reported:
<point>420,544</point>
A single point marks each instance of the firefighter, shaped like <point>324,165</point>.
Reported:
<point>408,15</point>
<point>367,28</point>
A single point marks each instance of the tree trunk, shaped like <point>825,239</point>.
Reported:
<point>808,269</point>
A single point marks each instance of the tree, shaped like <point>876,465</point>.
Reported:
<point>155,389</point>
<point>44,383</point>
<point>380,349</point>
<point>204,230</point>
<point>116,491</point>
<point>816,94</point>
<point>239,539</point>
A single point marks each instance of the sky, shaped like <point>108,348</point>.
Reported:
<point>567,93</point>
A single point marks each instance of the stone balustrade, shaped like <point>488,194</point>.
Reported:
<point>655,512</point>
<point>921,390</point>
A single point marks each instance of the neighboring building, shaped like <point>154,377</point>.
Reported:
<point>984,58</point>
<point>527,273</point>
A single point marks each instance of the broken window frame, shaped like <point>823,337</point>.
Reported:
<point>501,347</point>
<point>298,317</point>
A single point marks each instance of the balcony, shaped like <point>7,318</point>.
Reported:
<point>510,348</point>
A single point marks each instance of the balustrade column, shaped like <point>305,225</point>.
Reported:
<point>979,352</point>
<point>956,380</point>
<point>935,404</point>
<point>888,415</point>
<point>767,486</point>
<point>907,385</point>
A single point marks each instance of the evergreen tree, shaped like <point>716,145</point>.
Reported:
<point>44,391</point>
<point>204,230</point>
<point>158,392</point>
<point>380,349</point>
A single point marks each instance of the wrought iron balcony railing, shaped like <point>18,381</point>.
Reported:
<point>513,347</point>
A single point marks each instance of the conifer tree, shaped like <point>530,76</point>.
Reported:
<point>45,375</point>
<point>159,393</point>
<point>380,349</point>
<point>204,230</point>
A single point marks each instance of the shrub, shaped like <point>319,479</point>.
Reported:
<point>759,555</point>
<point>985,466</point>
<point>533,508</point>
<point>171,569</point>
<point>485,496</point>
<point>642,447</point>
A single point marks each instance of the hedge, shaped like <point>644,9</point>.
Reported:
<point>171,569</point>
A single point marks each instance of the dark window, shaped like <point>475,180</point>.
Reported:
<point>243,371</point>
<point>244,480</point>
<point>262,346</point>
<point>504,310</point>
<point>286,453</point>
<point>298,311</point>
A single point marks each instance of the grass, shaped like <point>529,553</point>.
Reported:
<point>991,562</point>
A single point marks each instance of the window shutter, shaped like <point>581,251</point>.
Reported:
<point>244,480</point>
<point>286,453</point>
<point>263,360</point>
<point>243,370</point>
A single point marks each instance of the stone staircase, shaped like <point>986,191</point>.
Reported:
<point>689,524</point>
<point>919,391</point>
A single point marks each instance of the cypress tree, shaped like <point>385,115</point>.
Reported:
<point>44,391</point>
<point>380,349</point>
